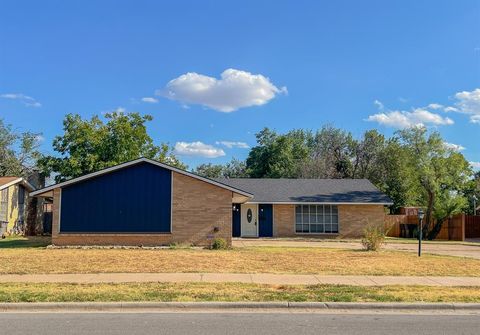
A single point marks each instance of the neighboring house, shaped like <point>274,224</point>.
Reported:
<point>144,202</point>
<point>13,204</point>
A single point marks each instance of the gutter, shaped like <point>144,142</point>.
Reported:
<point>234,306</point>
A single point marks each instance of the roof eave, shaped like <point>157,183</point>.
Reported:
<point>136,161</point>
<point>20,180</point>
<point>319,203</point>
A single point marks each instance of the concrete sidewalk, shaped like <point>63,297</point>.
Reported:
<point>257,278</point>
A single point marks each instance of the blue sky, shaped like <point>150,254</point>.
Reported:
<point>285,64</point>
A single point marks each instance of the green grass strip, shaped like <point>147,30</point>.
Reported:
<point>160,292</point>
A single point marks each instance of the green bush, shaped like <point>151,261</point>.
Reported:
<point>373,237</point>
<point>173,245</point>
<point>219,244</point>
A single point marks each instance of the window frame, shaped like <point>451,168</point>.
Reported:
<point>329,217</point>
<point>21,195</point>
<point>4,195</point>
<point>21,203</point>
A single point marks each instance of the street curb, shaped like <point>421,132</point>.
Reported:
<point>119,306</point>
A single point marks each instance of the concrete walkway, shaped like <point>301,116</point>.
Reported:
<point>445,249</point>
<point>257,278</point>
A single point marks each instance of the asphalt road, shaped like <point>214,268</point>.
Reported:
<point>239,323</point>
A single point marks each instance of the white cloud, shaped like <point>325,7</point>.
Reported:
<point>234,90</point>
<point>450,109</point>
<point>150,100</point>
<point>453,146</point>
<point>423,116</point>
<point>435,106</point>
<point>233,144</point>
<point>379,104</point>
<point>475,119</point>
<point>119,110</point>
<point>115,110</point>
<point>25,99</point>
<point>466,102</point>
<point>406,119</point>
<point>469,103</point>
<point>198,149</point>
<point>475,165</point>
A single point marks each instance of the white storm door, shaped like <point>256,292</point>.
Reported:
<point>249,220</point>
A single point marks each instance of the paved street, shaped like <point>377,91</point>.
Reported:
<point>229,323</point>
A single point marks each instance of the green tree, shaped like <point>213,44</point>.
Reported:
<point>209,170</point>
<point>259,157</point>
<point>90,145</point>
<point>474,192</point>
<point>447,205</point>
<point>279,156</point>
<point>233,169</point>
<point>434,168</point>
<point>330,154</point>
<point>367,156</point>
<point>18,152</point>
<point>413,167</point>
<point>393,176</point>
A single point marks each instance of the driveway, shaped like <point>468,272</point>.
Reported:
<point>447,249</point>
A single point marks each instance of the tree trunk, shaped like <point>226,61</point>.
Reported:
<point>428,216</point>
<point>437,227</point>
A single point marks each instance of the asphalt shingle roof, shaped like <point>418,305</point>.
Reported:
<point>6,180</point>
<point>309,190</point>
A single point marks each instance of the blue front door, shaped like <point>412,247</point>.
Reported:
<point>265,219</point>
<point>236,221</point>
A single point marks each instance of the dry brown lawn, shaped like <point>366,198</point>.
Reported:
<point>242,260</point>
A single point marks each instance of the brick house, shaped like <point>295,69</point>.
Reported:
<point>144,202</point>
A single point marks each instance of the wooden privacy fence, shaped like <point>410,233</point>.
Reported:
<point>392,224</point>
<point>453,229</point>
<point>472,226</point>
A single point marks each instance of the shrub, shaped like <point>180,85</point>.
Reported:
<point>373,237</point>
<point>219,244</point>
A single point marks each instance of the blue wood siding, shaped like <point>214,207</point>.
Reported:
<point>136,199</point>
<point>236,221</point>
<point>265,216</point>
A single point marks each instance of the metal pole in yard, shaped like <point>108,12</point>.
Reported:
<point>420,232</point>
